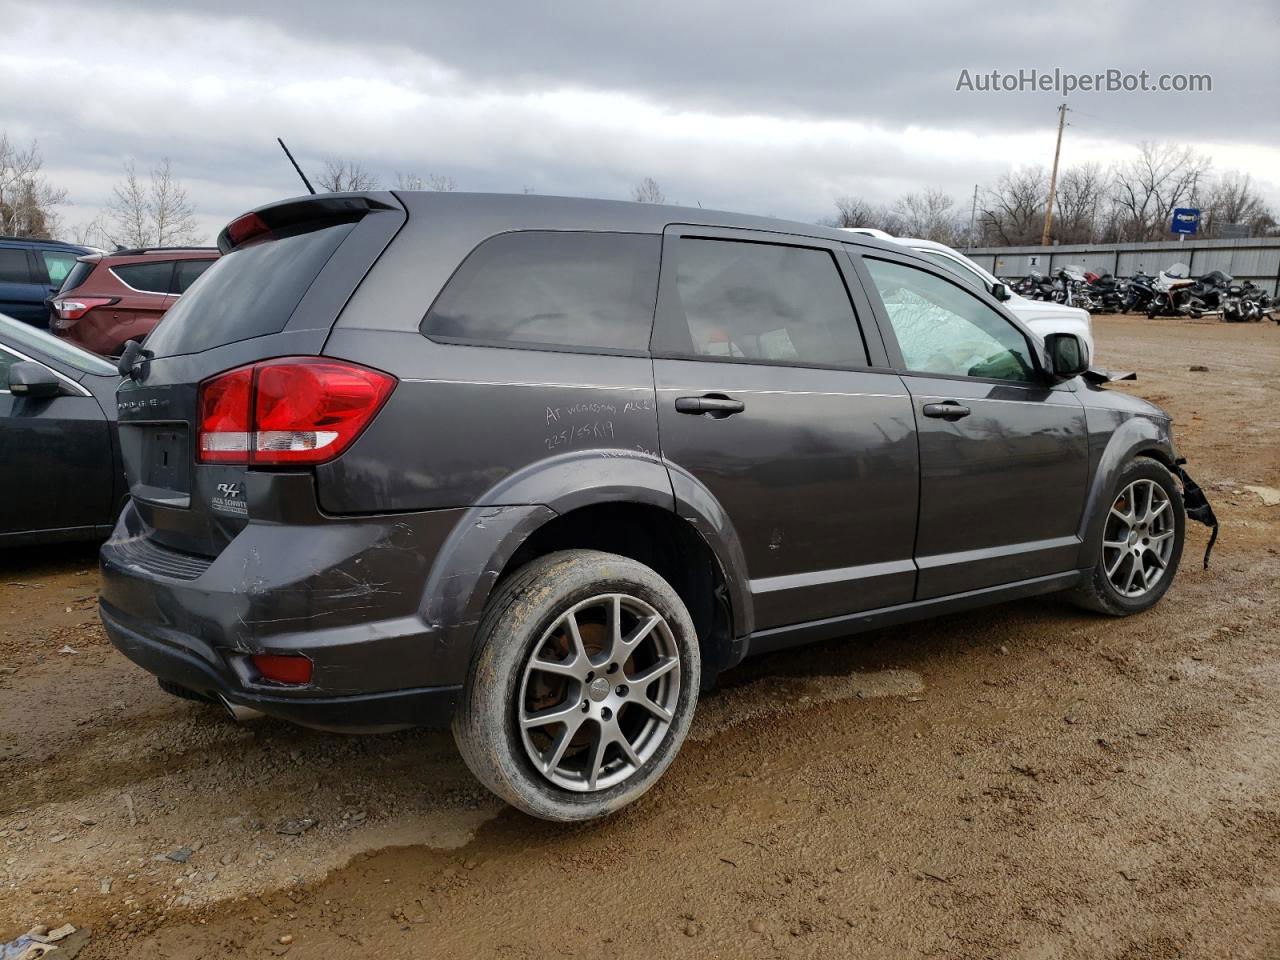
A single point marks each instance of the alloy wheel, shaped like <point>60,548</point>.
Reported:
<point>599,692</point>
<point>1137,540</point>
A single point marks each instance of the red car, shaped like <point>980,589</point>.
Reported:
<point>109,299</point>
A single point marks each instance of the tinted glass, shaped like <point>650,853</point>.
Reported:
<point>539,288</point>
<point>7,360</point>
<point>153,276</point>
<point>37,343</point>
<point>186,271</point>
<point>13,266</point>
<point>941,328</point>
<point>58,264</point>
<point>761,301</point>
<point>77,275</point>
<point>250,292</point>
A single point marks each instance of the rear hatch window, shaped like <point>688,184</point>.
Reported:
<point>250,292</point>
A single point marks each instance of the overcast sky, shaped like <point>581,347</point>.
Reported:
<point>754,105</point>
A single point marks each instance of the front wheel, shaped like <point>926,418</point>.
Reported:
<point>581,688</point>
<point>1142,537</point>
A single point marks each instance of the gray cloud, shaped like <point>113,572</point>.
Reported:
<point>763,107</point>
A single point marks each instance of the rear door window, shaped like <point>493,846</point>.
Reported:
<point>250,292</point>
<point>185,273</point>
<point>154,276</point>
<point>548,290</point>
<point>763,302</point>
<point>13,266</point>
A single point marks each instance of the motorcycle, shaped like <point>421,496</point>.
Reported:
<point>1034,286</point>
<point>1071,287</point>
<point>1107,292</point>
<point>1173,296</point>
<point>1140,292</point>
<point>1211,288</point>
<point>1246,303</point>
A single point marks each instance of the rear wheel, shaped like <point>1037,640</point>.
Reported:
<point>582,686</point>
<point>1141,546</point>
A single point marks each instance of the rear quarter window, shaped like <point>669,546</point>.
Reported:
<point>547,290</point>
<point>250,292</point>
<point>77,275</point>
<point>153,276</point>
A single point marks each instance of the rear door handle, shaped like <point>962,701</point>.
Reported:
<point>950,410</point>
<point>715,405</point>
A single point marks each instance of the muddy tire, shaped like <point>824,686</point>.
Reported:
<point>581,688</point>
<point>1140,542</point>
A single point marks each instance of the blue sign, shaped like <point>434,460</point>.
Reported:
<point>1185,220</point>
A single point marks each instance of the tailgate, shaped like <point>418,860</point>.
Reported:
<point>286,273</point>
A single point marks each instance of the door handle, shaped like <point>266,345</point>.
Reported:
<point>950,410</point>
<point>715,405</point>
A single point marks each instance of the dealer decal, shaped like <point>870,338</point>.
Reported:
<point>230,499</point>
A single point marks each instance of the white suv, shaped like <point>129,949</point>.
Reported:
<point>1042,317</point>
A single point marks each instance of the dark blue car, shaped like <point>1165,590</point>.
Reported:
<point>31,270</point>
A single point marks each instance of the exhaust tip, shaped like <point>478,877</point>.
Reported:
<point>239,713</point>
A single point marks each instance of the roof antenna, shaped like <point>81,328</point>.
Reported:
<point>310,189</point>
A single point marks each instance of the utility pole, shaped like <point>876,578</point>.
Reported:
<point>973,215</point>
<point>1053,177</point>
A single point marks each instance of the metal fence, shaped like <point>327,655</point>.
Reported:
<point>1257,259</point>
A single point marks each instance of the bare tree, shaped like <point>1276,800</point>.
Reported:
<point>930,215</point>
<point>1081,203</point>
<point>127,210</point>
<point>856,212</point>
<point>28,201</point>
<point>1148,188</point>
<point>345,176</point>
<point>648,191</point>
<point>433,181</point>
<point>156,213</point>
<point>1012,211</point>
<point>1232,200</point>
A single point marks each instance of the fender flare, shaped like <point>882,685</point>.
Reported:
<point>488,534</point>
<point>1136,436</point>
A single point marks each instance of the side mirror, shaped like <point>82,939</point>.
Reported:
<point>1000,291</point>
<point>1068,355</point>
<point>29,379</point>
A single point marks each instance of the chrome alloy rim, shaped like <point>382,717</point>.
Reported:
<point>599,692</point>
<point>1137,540</point>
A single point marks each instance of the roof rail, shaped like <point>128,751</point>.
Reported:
<point>135,251</point>
<point>59,243</point>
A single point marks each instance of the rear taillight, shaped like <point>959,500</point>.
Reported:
<point>69,311</point>
<point>297,410</point>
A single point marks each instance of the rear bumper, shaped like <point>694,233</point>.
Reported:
<point>347,594</point>
<point>199,667</point>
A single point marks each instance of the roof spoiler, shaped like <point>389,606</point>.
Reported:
<point>319,209</point>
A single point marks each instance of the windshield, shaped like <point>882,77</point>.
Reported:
<point>959,268</point>
<point>1179,270</point>
<point>27,339</point>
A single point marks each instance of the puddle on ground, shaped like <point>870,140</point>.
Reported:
<point>772,696</point>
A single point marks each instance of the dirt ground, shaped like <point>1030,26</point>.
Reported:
<point>1028,781</point>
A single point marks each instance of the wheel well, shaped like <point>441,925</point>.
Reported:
<point>1157,455</point>
<point>661,540</point>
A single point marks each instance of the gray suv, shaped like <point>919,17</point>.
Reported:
<point>545,467</point>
